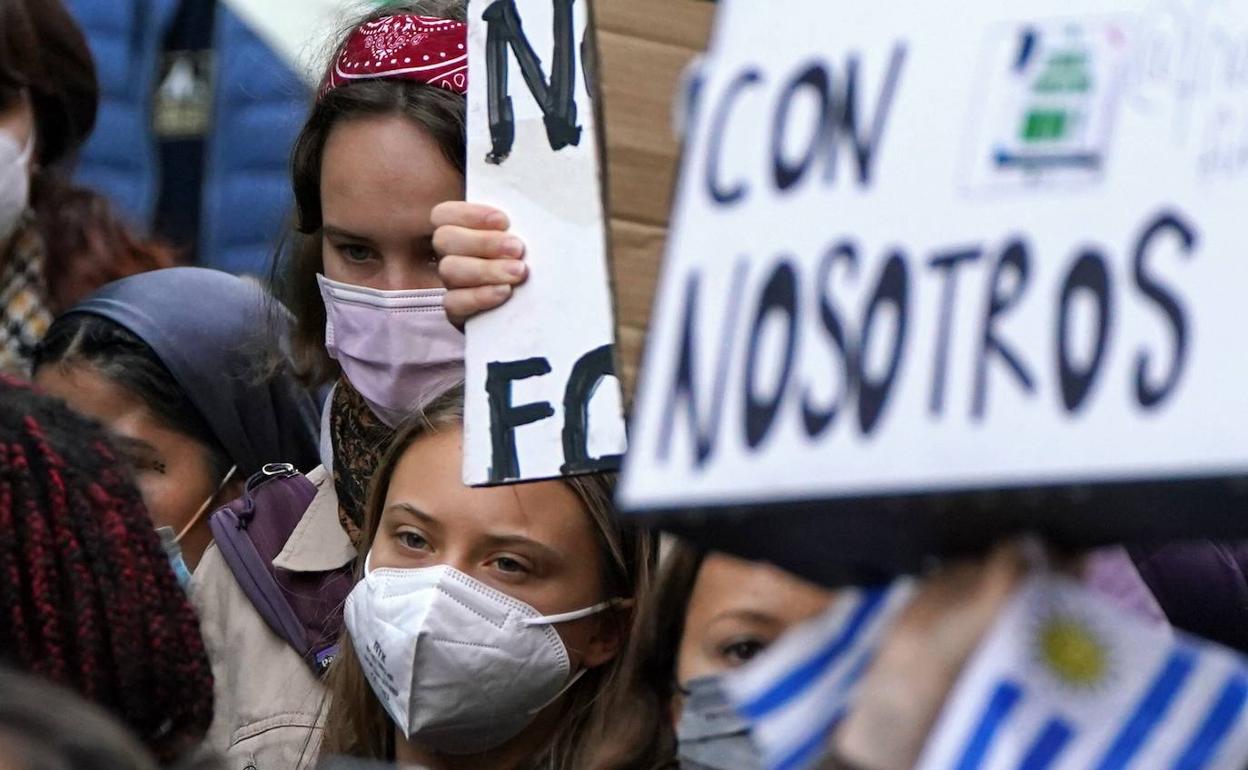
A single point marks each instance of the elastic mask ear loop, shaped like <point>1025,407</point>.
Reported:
<point>565,617</point>
<point>204,508</point>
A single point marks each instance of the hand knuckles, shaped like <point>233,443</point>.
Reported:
<point>440,240</point>
<point>454,302</point>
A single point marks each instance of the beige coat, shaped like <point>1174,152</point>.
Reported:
<point>269,705</point>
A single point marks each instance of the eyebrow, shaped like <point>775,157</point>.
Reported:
<point>338,232</point>
<point>494,540</point>
<point>742,613</point>
<point>414,512</point>
<point>138,450</point>
<point>132,444</point>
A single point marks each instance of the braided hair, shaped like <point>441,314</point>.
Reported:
<point>87,596</point>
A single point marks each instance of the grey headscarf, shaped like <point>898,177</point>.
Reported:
<point>211,330</point>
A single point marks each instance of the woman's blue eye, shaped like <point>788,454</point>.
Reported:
<point>507,564</point>
<point>356,253</point>
<point>413,541</point>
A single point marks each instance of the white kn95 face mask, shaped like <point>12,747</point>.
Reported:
<point>459,666</point>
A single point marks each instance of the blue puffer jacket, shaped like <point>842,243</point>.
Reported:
<point>259,107</point>
<point>121,156</point>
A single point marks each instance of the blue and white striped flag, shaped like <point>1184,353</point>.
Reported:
<point>1068,681</point>
<point>795,692</point>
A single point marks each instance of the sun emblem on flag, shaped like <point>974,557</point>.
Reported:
<point>1072,651</point>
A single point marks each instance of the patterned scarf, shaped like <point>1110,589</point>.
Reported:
<point>24,313</point>
<point>358,439</point>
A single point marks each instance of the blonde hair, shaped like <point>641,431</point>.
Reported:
<point>358,726</point>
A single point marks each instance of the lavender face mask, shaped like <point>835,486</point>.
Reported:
<point>397,348</point>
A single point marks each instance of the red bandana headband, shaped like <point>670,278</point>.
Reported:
<point>425,49</point>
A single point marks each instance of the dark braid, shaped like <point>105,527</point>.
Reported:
<point>87,597</point>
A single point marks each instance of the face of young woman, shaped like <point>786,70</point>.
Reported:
<point>534,542</point>
<point>172,470</point>
<point>736,610</point>
<point>380,179</point>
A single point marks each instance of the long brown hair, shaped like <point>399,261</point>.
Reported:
<point>641,735</point>
<point>358,726</point>
<point>436,110</point>
<point>88,245</point>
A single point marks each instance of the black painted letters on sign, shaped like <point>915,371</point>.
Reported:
<point>556,96</point>
<point>1148,394</point>
<point>779,296</point>
<point>1090,274</point>
<point>590,370</point>
<point>506,417</point>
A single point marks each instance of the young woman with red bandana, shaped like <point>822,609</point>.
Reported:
<point>385,264</point>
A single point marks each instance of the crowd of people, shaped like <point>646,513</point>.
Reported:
<point>233,530</point>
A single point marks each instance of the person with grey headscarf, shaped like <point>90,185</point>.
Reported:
<point>182,365</point>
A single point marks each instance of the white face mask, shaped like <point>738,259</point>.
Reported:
<point>14,182</point>
<point>460,667</point>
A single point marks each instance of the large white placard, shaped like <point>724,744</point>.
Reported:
<point>542,397</point>
<point>922,247</point>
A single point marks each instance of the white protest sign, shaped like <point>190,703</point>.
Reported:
<point>921,249</point>
<point>542,398</point>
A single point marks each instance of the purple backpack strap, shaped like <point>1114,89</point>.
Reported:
<point>304,609</point>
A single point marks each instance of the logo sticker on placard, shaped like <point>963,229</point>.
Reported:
<point>1052,96</point>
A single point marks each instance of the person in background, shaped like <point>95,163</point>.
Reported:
<point>381,154</point>
<point>173,362</point>
<point>58,242</point>
<point>708,613</point>
<point>88,597</point>
<point>498,613</point>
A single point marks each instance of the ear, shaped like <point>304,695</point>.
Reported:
<point>609,634</point>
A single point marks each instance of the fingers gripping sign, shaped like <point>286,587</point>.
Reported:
<point>479,260</point>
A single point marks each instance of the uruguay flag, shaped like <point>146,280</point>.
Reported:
<point>795,692</point>
<point>1068,681</point>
